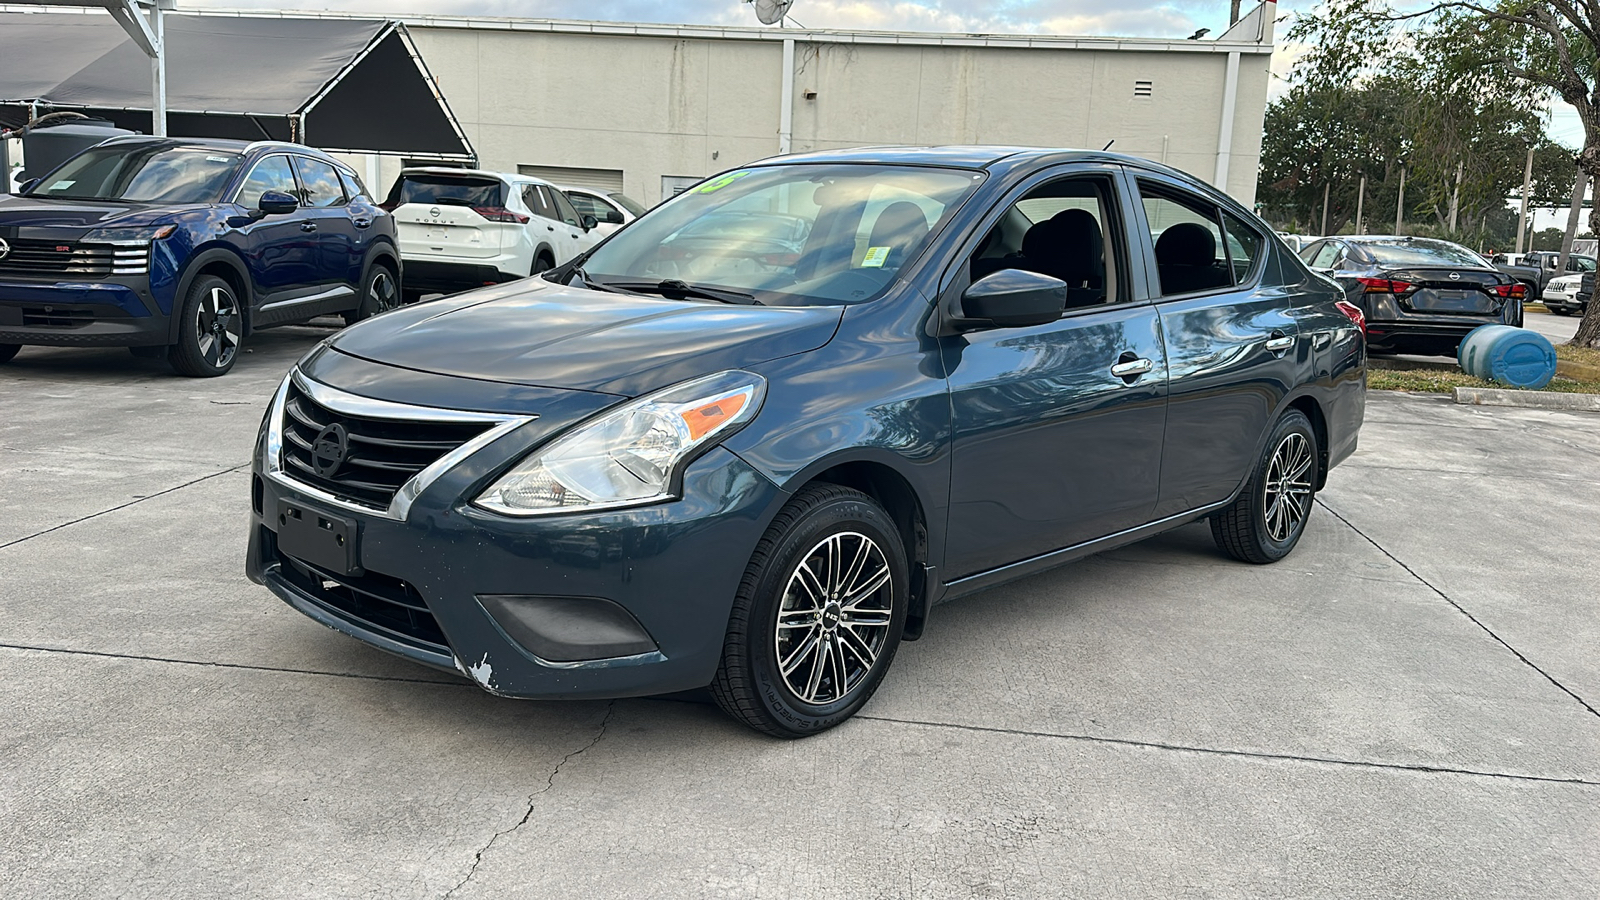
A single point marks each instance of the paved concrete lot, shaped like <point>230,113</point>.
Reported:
<point>1406,707</point>
<point>1558,329</point>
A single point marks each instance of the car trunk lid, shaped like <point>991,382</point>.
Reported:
<point>1445,291</point>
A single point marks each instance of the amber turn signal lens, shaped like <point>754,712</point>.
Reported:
<point>703,419</point>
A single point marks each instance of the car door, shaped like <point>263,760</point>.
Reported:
<point>1233,347</point>
<point>1057,427</point>
<point>546,226</point>
<point>582,238</point>
<point>608,216</point>
<point>278,253</point>
<point>323,200</point>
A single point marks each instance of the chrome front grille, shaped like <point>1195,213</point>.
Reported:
<point>35,257</point>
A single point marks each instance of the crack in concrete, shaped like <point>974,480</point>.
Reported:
<point>106,654</point>
<point>1461,609</point>
<point>550,782</point>
<point>113,509</point>
<point>1245,754</point>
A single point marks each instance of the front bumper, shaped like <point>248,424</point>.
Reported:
<point>117,311</point>
<point>672,568</point>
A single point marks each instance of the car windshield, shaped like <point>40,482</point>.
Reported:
<point>143,173</point>
<point>628,203</point>
<point>787,235</point>
<point>455,190</point>
<point>1422,252</point>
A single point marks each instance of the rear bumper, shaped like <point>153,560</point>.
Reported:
<point>433,275</point>
<point>112,312</point>
<point>1424,336</point>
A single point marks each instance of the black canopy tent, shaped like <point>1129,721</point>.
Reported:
<point>348,85</point>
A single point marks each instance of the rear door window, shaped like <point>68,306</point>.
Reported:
<point>1326,254</point>
<point>1191,254</point>
<point>1243,245</point>
<point>564,210</point>
<point>270,174</point>
<point>538,201</point>
<point>319,183</point>
<point>589,206</point>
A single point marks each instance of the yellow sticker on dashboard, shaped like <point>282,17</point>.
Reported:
<point>875,258</point>
<point>720,182</point>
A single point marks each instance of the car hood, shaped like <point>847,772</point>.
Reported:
<point>536,333</point>
<point>25,216</point>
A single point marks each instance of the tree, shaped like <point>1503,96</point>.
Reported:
<point>1515,49</point>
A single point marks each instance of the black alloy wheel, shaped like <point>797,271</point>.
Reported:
<point>1265,521</point>
<point>818,616</point>
<point>379,293</point>
<point>7,351</point>
<point>210,330</point>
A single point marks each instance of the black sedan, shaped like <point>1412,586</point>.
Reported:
<point>612,480</point>
<point>1419,295</point>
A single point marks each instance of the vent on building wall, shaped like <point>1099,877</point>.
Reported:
<point>1144,88</point>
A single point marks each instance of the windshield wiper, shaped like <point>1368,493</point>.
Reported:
<point>674,289</point>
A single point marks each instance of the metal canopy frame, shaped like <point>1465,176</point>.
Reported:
<point>148,36</point>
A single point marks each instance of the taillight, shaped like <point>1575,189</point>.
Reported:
<point>1386,286</point>
<point>501,214</point>
<point>1518,291</point>
<point>1353,313</point>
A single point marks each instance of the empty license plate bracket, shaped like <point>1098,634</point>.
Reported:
<point>322,539</point>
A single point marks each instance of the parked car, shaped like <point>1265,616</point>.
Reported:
<point>464,228</point>
<point>184,247</point>
<point>1568,294</point>
<point>1419,295</point>
<point>605,483</point>
<point>1536,268</point>
<point>612,209</point>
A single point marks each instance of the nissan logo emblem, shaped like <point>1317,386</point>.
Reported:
<point>329,450</point>
<point>5,248</point>
<point>1455,276</point>
<point>434,212</point>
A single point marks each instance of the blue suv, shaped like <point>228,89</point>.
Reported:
<point>183,247</point>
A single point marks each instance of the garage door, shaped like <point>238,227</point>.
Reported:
<point>599,179</point>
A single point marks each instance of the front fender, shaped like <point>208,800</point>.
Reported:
<point>214,253</point>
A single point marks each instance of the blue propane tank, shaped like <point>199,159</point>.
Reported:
<point>1507,355</point>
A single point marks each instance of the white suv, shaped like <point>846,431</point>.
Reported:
<point>612,209</point>
<point>462,228</point>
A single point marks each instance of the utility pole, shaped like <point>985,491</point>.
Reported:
<point>1572,221</point>
<point>1527,185</point>
<point>1455,195</point>
<point>1400,204</point>
<point>1325,186</point>
<point>1361,199</point>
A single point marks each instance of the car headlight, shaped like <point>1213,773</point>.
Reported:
<point>630,455</point>
<point>132,235</point>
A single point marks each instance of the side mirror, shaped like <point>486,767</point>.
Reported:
<point>590,223</point>
<point>613,217</point>
<point>1014,298</point>
<point>277,203</point>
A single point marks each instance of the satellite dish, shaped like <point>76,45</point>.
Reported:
<point>771,12</point>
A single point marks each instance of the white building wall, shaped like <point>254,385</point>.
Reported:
<point>654,105</point>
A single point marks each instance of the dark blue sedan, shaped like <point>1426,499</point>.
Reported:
<point>181,247</point>
<point>660,468</point>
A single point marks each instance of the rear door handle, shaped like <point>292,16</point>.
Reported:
<point>308,226</point>
<point>1132,368</point>
<point>1279,342</point>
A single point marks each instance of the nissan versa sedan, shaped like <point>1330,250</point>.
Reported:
<point>978,363</point>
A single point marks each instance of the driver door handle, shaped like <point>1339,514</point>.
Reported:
<point>1279,342</point>
<point>1132,367</point>
<point>308,226</point>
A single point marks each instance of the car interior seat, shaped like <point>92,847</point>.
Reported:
<point>1069,246</point>
<point>900,227</point>
<point>1186,258</point>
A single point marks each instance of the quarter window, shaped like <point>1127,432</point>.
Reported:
<point>270,174</point>
<point>320,183</point>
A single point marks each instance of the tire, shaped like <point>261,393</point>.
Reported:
<point>542,263</point>
<point>1255,528</point>
<point>1559,310</point>
<point>783,591</point>
<point>210,330</point>
<point>379,293</point>
<point>8,351</point>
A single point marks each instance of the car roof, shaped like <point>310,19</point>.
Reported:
<point>244,147</point>
<point>507,177</point>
